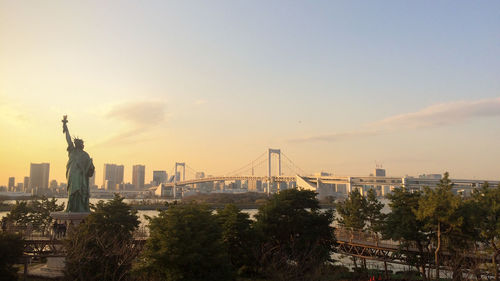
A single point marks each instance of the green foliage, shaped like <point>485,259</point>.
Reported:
<point>296,237</point>
<point>185,244</point>
<point>239,238</point>
<point>352,212</point>
<point>11,250</point>
<point>35,212</point>
<point>438,206</point>
<point>247,198</point>
<point>402,224</point>
<point>373,211</point>
<point>101,248</point>
<point>439,209</point>
<point>485,208</point>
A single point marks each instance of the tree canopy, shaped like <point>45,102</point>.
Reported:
<point>296,237</point>
<point>101,247</point>
<point>185,243</point>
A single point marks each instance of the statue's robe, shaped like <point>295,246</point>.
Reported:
<point>78,170</point>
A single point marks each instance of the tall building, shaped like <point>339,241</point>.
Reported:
<point>159,177</point>
<point>255,185</point>
<point>138,174</point>
<point>26,184</point>
<point>12,184</point>
<point>39,176</point>
<point>53,184</point>
<point>112,176</point>
<point>379,172</point>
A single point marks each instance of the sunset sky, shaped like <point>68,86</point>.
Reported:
<point>339,86</point>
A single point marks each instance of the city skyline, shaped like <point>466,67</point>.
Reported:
<point>340,86</point>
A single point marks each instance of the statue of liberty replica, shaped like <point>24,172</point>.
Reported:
<point>78,171</point>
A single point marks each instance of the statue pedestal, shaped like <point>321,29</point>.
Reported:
<point>54,268</point>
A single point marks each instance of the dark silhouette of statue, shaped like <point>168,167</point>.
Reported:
<point>78,171</point>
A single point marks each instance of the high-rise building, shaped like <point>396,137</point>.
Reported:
<point>26,184</point>
<point>379,172</point>
<point>255,185</point>
<point>12,184</point>
<point>138,174</point>
<point>53,184</point>
<point>159,177</point>
<point>200,175</point>
<point>112,176</point>
<point>39,176</point>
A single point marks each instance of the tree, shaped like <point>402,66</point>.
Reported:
<point>373,211</point>
<point>102,247</point>
<point>352,212</point>
<point>438,208</point>
<point>185,244</point>
<point>35,212</point>
<point>487,209</point>
<point>239,238</point>
<point>402,224</point>
<point>11,250</point>
<point>296,237</point>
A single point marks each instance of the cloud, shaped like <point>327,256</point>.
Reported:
<point>139,117</point>
<point>442,114</point>
<point>141,113</point>
<point>437,115</point>
<point>200,102</point>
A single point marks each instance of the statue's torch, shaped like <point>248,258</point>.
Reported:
<point>65,120</point>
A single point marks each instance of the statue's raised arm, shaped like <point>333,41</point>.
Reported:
<point>65,130</point>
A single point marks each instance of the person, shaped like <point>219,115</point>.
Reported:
<point>55,230</point>
<point>4,224</point>
<point>78,171</point>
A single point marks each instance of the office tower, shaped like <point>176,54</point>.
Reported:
<point>39,176</point>
<point>159,177</point>
<point>12,184</point>
<point>112,176</point>
<point>255,185</point>
<point>138,173</point>
<point>26,183</point>
<point>379,172</point>
<point>200,175</point>
<point>53,184</point>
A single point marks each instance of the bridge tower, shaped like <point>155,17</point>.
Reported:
<point>183,165</point>
<point>269,157</point>
<point>271,152</point>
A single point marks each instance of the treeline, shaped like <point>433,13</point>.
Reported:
<point>240,199</point>
<point>290,239</point>
<point>434,222</point>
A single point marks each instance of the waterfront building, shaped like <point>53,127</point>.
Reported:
<point>138,175</point>
<point>112,176</point>
<point>26,184</point>
<point>39,176</point>
<point>12,184</point>
<point>159,177</point>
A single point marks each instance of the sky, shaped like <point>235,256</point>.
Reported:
<point>338,86</point>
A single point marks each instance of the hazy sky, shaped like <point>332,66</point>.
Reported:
<point>337,85</point>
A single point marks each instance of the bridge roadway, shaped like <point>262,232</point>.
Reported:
<point>231,178</point>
